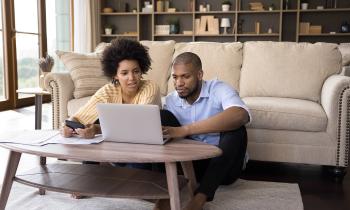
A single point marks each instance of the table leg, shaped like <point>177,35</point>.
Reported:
<point>173,185</point>
<point>38,111</point>
<point>42,162</point>
<point>10,173</point>
<point>38,119</point>
<point>187,168</point>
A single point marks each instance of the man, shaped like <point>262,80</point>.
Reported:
<point>211,112</point>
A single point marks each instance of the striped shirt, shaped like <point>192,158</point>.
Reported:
<point>148,93</point>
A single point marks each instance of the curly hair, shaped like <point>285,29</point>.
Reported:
<point>124,49</point>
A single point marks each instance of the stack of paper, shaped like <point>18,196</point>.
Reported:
<point>43,137</point>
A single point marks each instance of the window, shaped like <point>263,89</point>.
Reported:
<point>40,27</point>
<point>58,29</point>
<point>2,72</point>
<point>27,44</point>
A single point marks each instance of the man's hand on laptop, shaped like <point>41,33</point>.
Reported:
<point>175,132</point>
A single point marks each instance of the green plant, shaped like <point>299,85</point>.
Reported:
<point>226,2</point>
<point>109,26</point>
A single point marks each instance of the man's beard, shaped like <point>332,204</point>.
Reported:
<point>195,89</point>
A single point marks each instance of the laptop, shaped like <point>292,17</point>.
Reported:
<point>131,123</point>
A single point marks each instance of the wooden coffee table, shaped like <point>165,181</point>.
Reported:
<point>104,181</point>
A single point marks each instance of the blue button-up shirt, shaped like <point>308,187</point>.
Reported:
<point>215,97</point>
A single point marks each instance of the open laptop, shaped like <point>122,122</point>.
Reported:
<point>131,123</point>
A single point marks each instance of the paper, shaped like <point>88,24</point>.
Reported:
<point>43,137</point>
<point>59,139</point>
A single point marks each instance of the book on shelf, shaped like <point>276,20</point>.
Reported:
<point>304,27</point>
<point>315,29</point>
<point>162,29</point>
<point>256,6</point>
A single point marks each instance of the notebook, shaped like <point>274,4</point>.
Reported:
<point>131,123</point>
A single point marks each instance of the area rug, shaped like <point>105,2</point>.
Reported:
<point>242,195</point>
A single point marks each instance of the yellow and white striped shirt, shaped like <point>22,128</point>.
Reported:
<point>148,93</point>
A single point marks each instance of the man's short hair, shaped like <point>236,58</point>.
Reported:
<point>188,58</point>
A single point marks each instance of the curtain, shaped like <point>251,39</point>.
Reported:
<point>85,25</point>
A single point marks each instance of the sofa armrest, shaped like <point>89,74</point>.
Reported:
<point>335,99</point>
<point>61,87</point>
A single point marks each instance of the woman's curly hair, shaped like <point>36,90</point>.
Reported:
<point>124,49</point>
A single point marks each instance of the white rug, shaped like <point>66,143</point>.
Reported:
<point>242,195</point>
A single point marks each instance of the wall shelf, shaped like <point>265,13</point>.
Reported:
<point>261,34</point>
<point>283,22</point>
<point>264,11</point>
<point>326,34</point>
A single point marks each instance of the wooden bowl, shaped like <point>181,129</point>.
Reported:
<point>107,10</point>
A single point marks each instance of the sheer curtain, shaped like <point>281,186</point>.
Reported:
<point>85,25</point>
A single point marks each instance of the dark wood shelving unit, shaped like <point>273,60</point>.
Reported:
<point>284,22</point>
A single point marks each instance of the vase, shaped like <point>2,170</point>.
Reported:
<point>225,7</point>
<point>345,27</point>
<point>42,79</point>
<point>174,29</point>
<point>108,31</point>
<point>304,6</point>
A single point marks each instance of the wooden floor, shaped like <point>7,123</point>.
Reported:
<point>319,191</point>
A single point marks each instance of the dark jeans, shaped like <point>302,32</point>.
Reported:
<point>225,169</point>
<point>222,170</point>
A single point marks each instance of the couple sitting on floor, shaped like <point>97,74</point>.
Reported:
<point>207,111</point>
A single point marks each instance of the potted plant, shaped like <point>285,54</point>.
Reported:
<point>226,4</point>
<point>174,24</point>
<point>108,29</point>
<point>304,4</point>
<point>45,65</point>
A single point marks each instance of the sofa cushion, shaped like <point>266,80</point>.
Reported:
<point>286,114</point>
<point>221,61</point>
<point>85,70</point>
<point>161,53</point>
<point>74,105</point>
<point>286,69</point>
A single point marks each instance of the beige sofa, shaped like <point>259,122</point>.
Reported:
<point>300,103</point>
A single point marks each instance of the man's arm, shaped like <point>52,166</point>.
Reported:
<point>230,119</point>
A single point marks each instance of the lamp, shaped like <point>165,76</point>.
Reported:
<point>225,23</point>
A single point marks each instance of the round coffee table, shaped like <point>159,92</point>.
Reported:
<point>104,181</point>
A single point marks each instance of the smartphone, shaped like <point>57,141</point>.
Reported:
<point>74,125</point>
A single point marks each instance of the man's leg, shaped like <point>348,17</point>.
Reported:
<point>220,170</point>
<point>168,119</point>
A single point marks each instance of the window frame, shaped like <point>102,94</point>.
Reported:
<point>9,52</point>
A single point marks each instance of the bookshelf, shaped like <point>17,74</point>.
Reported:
<point>278,23</point>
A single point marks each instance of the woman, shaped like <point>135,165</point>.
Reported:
<point>124,61</point>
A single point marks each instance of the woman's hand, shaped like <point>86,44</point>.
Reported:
<point>67,131</point>
<point>88,132</point>
<point>175,132</point>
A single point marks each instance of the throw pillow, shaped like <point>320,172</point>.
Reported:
<point>85,70</point>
